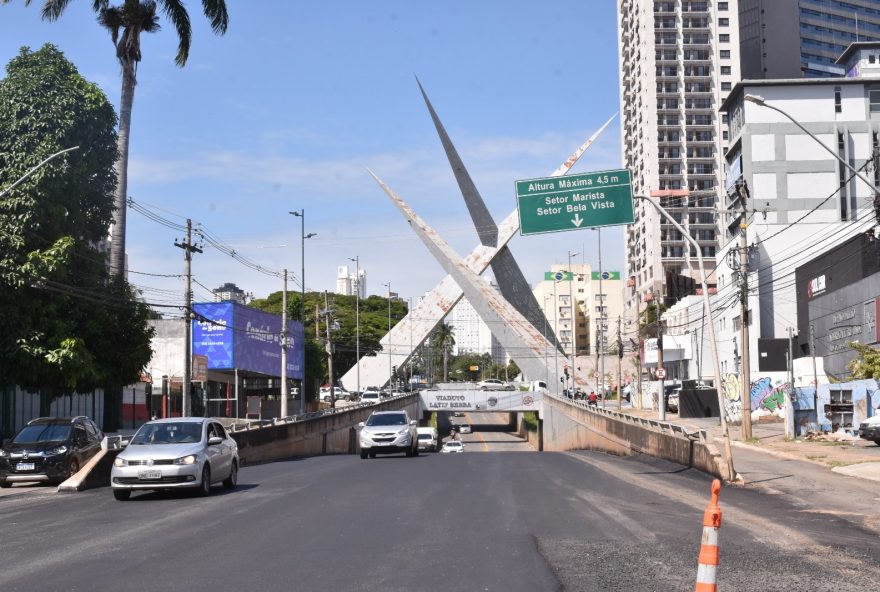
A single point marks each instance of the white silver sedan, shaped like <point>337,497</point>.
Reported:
<point>187,452</point>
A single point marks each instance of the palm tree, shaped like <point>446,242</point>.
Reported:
<point>126,22</point>
<point>444,339</point>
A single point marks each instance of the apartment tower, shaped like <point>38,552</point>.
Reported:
<point>678,61</point>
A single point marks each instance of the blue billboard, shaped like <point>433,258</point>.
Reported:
<point>235,336</point>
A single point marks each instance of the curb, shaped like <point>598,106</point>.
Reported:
<point>74,483</point>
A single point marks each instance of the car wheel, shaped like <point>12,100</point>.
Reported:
<point>347,398</point>
<point>326,399</point>
<point>72,468</point>
<point>122,494</point>
<point>5,484</point>
<point>415,450</point>
<point>372,454</point>
<point>205,485</point>
<point>232,480</point>
<point>363,455</point>
<point>482,388</point>
<point>409,452</point>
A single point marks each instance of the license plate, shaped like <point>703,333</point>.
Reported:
<point>149,474</point>
<point>24,467</point>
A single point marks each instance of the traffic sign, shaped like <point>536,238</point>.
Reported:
<point>661,373</point>
<point>572,202</point>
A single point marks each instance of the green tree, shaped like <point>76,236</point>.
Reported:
<point>867,364</point>
<point>443,339</point>
<point>64,324</point>
<point>373,326</point>
<point>125,23</point>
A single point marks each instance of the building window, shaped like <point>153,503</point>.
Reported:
<point>724,38</point>
<point>725,86</point>
<point>874,99</point>
<point>837,105</point>
<point>725,53</point>
<point>725,69</point>
<point>722,6</point>
<point>723,22</point>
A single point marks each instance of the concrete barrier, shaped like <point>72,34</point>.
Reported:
<point>571,425</point>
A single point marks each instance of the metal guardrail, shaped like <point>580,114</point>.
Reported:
<point>660,426</point>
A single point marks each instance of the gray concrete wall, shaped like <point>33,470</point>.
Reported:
<point>572,426</point>
<point>329,434</point>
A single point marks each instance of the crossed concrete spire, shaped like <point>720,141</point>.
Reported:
<point>514,316</point>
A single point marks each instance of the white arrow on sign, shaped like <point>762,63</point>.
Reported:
<point>577,220</point>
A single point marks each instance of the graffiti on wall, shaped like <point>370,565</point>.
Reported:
<point>767,397</point>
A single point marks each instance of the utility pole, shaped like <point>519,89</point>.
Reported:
<point>789,408</point>
<point>326,314</point>
<point>602,320</point>
<point>302,303</point>
<point>638,347</point>
<point>815,373</point>
<point>573,322</point>
<point>662,396</point>
<point>619,364</point>
<point>284,391</point>
<point>746,375</point>
<point>188,250</point>
<point>357,305</point>
<point>390,370</point>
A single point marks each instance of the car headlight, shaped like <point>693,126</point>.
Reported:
<point>402,432</point>
<point>56,451</point>
<point>3,453</point>
<point>189,459</point>
<point>120,462</point>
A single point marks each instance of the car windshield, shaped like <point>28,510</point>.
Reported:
<point>387,419</point>
<point>181,432</point>
<point>43,432</point>
<point>424,436</point>
<point>453,444</point>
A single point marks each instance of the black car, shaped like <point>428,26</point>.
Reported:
<point>49,449</point>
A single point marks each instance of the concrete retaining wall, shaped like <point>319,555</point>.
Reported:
<point>330,434</point>
<point>570,425</point>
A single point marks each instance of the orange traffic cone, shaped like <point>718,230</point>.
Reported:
<point>708,562</point>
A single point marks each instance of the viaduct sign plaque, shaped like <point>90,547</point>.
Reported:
<point>572,202</point>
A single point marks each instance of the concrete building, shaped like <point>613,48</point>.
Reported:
<point>472,335</point>
<point>802,38</point>
<point>229,292</point>
<point>348,285</point>
<point>678,61</point>
<point>807,202</point>
<point>594,313</point>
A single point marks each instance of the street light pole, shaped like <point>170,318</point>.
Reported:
<point>35,168</point>
<point>357,304</point>
<point>573,319</point>
<point>302,302</point>
<point>707,307</point>
<point>284,391</point>
<point>556,331</point>
<point>390,373</point>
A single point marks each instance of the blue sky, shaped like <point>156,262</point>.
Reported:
<point>288,108</point>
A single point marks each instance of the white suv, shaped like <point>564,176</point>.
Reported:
<point>387,432</point>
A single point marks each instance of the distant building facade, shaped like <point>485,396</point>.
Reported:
<point>229,292</point>
<point>349,284</point>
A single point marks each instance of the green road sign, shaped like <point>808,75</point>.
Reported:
<point>572,202</point>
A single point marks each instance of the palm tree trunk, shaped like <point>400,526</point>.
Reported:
<point>445,364</point>
<point>117,233</point>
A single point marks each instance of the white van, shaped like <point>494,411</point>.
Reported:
<point>427,438</point>
<point>371,397</point>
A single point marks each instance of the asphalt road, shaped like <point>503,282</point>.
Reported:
<point>489,521</point>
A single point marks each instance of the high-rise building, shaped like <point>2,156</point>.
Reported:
<point>472,335</point>
<point>678,61</point>
<point>229,292</point>
<point>802,38</point>
<point>348,285</point>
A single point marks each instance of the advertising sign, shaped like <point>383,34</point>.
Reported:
<point>235,336</point>
<point>199,370</point>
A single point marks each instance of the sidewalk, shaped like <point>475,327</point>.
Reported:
<point>856,458</point>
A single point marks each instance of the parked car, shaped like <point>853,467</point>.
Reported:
<point>49,449</point>
<point>452,446</point>
<point>493,384</point>
<point>464,428</point>
<point>428,438</point>
<point>338,393</point>
<point>387,432</point>
<point>672,399</point>
<point>176,453</point>
<point>870,429</point>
